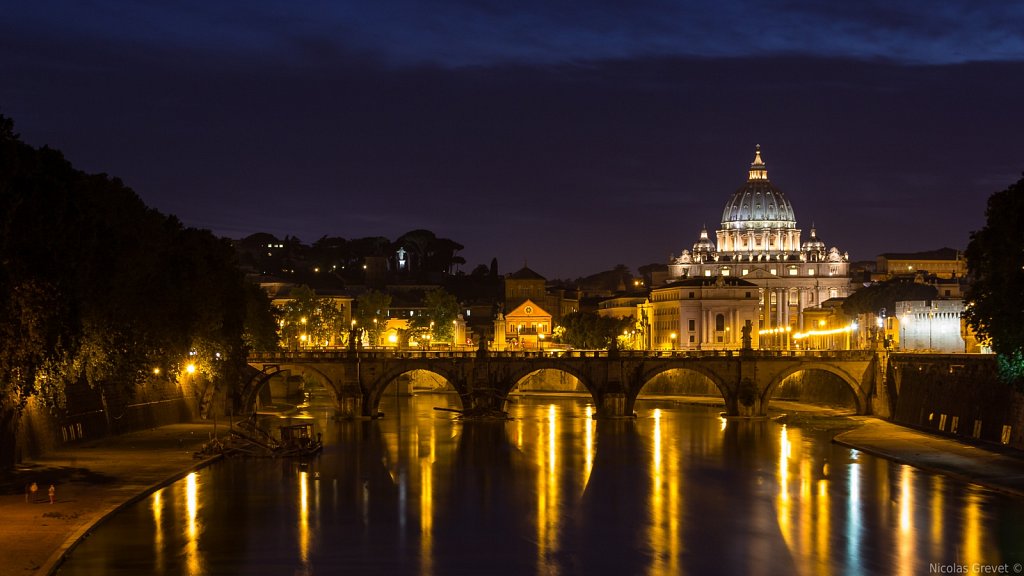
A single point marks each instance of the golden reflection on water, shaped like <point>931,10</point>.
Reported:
<point>547,489</point>
<point>427,506</point>
<point>783,504</point>
<point>664,531</point>
<point>158,532</point>
<point>906,539</point>
<point>823,529</point>
<point>804,515</point>
<point>972,532</point>
<point>304,518</point>
<point>588,445</point>
<point>193,561</point>
<point>936,514</point>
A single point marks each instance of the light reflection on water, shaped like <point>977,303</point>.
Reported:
<point>552,491</point>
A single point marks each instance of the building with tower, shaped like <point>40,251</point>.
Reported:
<point>759,242</point>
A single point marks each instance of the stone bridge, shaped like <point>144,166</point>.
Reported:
<point>746,379</point>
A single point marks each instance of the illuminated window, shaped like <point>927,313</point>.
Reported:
<point>793,271</point>
<point>725,271</point>
<point>707,272</point>
<point>810,271</point>
<point>774,271</point>
<point>745,271</point>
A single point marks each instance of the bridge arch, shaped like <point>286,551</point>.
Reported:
<point>648,376</point>
<point>854,385</point>
<point>251,391</point>
<point>375,392</point>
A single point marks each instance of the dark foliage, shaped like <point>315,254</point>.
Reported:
<point>101,290</point>
<point>995,262</point>
<point>885,295</point>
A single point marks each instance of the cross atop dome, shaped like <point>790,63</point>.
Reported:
<point>758,170</point>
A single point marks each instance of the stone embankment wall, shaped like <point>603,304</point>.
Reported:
<point>962,397</point>
<point>85,416</point>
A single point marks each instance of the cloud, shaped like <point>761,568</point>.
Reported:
<point>472,33</point>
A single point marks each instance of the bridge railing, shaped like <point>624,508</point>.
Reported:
<point>338,355</point>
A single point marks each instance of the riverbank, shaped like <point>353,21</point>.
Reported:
<point>91,480</point>
<point>994,468</point>
<point>94,480</point>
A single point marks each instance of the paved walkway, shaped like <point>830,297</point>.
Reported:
<point>91,481</point>
<point>1001,470</point>
<point>96,479</point>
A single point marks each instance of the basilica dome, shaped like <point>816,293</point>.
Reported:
<point>758,204</point>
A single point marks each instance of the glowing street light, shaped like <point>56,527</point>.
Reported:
<point>190,368</point>
<point>673,337</point>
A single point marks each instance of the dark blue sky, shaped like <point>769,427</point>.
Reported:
<point>574,139</point>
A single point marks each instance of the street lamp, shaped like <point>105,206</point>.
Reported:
<point>673,337</point>
<point>541,337</point>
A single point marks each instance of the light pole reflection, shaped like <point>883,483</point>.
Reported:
<point>304,519</point>
<point>158,533</point>
<point>193,561</point>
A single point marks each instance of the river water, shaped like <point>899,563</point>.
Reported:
<point>679,490</point>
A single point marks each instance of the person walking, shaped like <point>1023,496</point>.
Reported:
<point>53,494</point>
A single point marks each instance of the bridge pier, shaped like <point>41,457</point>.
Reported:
<point>351,402</point>
<point>612,406</point>
<point>744,399</point>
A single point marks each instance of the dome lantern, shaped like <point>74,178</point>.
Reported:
<point>758,205</point>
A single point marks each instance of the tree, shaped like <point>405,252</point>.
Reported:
<point>311,320</point>
<point>102,291</point>
<point>261,321</point>
<point>995,262</point>
<point>372,314</point>
<point>440,311</point>
<point>591,331</point>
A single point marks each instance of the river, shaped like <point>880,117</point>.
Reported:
<point>679,490</point>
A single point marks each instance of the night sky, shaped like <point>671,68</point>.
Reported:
<point>573,136</point>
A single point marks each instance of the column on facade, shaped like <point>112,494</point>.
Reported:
<point>779,305</point>
<point>800,308</point>
<point>708,326</point>
<point>785,310</point>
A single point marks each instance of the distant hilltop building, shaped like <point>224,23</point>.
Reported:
<point>758,242</point>
<point>945,263</point>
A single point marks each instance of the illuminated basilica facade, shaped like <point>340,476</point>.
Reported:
<point>758,242</point>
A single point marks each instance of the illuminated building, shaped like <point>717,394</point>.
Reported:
<point>931,326</point>
<point>525,284</point>
<point>700,313</point>
<point>945,263</point>
<point>759,242</point>
<point>527,325</point>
